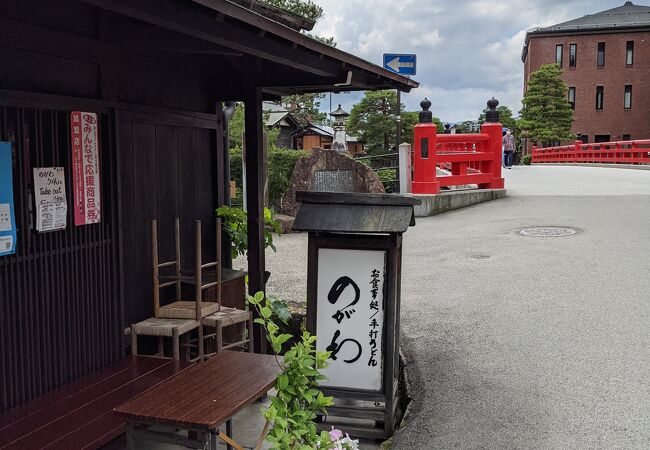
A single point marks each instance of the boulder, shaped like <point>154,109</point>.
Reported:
<point>286,222</point>
<point>363,178</point>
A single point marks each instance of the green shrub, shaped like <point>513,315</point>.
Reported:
<point>235,222</point>
<point>527,160</point>
<point>281,163</point>
<point>387,177</point>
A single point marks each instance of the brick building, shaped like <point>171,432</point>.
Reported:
<point>606,62</point>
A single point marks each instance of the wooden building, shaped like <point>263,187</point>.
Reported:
<point>156,73</point>
<point>316,135</point>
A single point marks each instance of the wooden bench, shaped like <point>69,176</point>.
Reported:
<point>80,415</point>
<point>200,400</point>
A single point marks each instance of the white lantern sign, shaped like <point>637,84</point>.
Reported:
<point>350,316</point>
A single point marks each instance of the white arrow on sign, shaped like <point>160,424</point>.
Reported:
<point>395,64</point>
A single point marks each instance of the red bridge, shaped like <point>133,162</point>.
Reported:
<point>471,158</point>
<point>619,152</point>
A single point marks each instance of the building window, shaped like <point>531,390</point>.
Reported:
<point>601,54</point>
<point>601,138</point>
<point>629,53</point>
<point>558,55</point>
<point>627,99</point>
<point>627,137</point>
<point>573,51</point>
<point>599,98</point>
<point>572,97</point>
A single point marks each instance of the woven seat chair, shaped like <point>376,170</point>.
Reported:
<point>225,316</point>
<point>180,316</point>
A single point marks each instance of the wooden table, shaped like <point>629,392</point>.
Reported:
<point>200,399</point>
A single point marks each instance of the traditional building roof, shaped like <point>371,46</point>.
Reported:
<point>324,130</point>
<point>625,17</point>
<point>274,113</point>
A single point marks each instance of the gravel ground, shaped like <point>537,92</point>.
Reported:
<point>521,342</point>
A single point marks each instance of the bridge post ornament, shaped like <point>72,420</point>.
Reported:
<point>492,115</point>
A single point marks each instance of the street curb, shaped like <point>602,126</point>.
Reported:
<point>448,201</point>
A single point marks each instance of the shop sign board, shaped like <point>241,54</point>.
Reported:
<point>86,176</point>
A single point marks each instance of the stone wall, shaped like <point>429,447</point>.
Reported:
<point>364,179</point>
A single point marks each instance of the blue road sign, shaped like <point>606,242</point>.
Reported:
<point>401,64</point>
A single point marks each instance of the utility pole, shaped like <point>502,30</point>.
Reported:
<point>398,120</point>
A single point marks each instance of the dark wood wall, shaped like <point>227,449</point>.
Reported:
<point>59,294</point>
<point>66,296</point>
<point>167,171</point>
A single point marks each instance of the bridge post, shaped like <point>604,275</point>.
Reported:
<point>493,129</point>
<point>576,150</point>
<point>424,154</point>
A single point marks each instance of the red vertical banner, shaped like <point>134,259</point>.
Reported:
<point>85,167</point>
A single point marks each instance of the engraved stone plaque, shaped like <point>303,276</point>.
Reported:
<point>333,181</point>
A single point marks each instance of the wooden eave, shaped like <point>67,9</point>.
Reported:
<point>230,26</point>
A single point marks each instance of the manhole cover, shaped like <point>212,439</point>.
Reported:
<point>548,231</point>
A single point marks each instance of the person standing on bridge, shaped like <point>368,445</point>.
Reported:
<point>508,149</point>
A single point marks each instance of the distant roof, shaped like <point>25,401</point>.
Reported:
<point>274,113</point>
<point>620,18</point>
<point>326,130</point>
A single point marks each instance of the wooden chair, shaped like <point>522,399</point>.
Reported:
<point>225,316</point>
<point>179,317</point>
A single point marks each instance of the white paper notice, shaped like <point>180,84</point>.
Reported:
<point>5,217</point>
<point>49,194</point>
<point>350,316</point>
<point>6,243</point>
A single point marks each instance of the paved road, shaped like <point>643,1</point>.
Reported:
<point>521,342</point>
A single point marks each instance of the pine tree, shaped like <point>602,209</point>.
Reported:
<point>373,121</point>
<point>547,115</point>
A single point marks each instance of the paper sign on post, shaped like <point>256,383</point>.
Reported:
<point>50,199</point>
<point>85,168</point>
<point>7,212</point>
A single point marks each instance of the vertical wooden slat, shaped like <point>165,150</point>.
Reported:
<point>59,295</point>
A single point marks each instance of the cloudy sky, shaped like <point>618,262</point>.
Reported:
<point>468,50</point>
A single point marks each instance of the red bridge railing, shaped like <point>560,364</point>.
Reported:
<point>471,158</point>
<point>618,152</point>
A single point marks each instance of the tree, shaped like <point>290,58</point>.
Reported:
<point>305,108</point>
<point>505,117</point>
<point>305,8</point>
<point>372,120</point>
<point>547,115</point>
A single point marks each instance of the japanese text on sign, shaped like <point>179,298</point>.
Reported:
<point>50,199</point>
<point>85,167</point>
<point>350,316</point>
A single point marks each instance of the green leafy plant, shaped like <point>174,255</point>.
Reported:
<point>281,162</point>
<point>236,224</point>
<point>294,408</point>
<point>527,160</point>
<point>387,177</point>
<point>280,309</point>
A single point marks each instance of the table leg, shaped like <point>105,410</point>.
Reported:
<point>130,439</point>
<point>229,432</point>
<point>214,438</point>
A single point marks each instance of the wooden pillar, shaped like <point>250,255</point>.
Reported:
<point>255,201</point>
